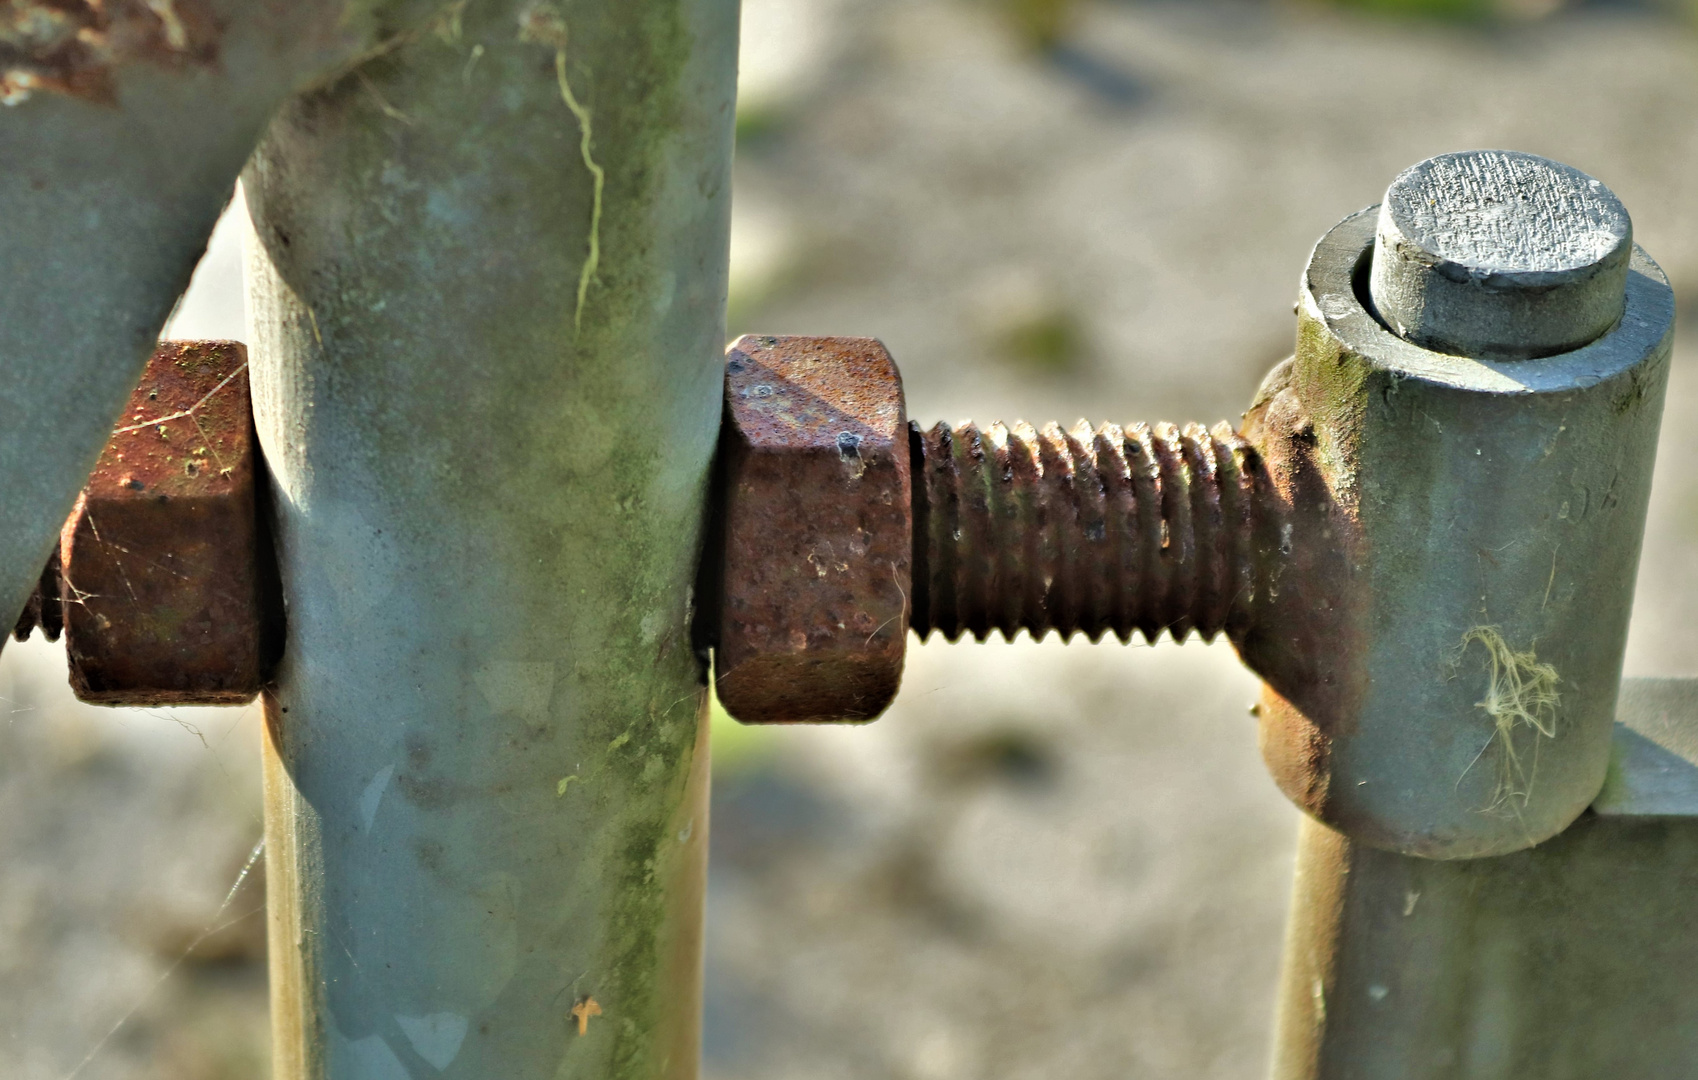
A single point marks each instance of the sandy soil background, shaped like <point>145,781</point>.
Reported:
<point>1047,860</point>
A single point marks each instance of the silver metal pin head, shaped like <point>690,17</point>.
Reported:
<point>1499,255</point>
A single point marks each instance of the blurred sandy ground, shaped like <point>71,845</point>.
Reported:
<point>1047,860</point>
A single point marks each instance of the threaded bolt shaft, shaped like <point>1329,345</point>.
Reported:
<point>44,607</point>
<point>1081,531</point>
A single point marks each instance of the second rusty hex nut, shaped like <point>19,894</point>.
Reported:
<point>164,597</point>
<point>818,530</point>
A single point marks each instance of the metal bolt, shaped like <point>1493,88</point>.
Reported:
<point>1082,531</point>
<point>44,608</point>
<point>813,597</point>
<point>830,551</point>
<point>161,582</point>
<point>1394,524</point>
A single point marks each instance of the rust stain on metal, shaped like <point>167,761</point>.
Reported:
<point>73,47</point>
<point>1158,530</point>
<point>1085,530</point>
<point>1308,636</point>
<point>1298,753</point>
<point>163,597</point>
<point>817,525</point>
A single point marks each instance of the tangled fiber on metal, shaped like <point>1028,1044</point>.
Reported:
<point>1521,693</point>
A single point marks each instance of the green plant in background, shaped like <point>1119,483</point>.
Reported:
<point>1039,24</point>
<point>760,120</point>
<point>1446,9</point>
<point>1047,341</point>
<point>739,749</point>
<point>1480,9</point>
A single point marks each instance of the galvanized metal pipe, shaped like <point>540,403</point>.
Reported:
<point>1578,958</point>
<point>488,292</point>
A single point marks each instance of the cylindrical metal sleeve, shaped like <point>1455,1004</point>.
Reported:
<point>1489,516</point>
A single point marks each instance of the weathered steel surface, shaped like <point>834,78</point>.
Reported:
<point>487,379</point>
<point>1086,530</point>
<point>1576,959</point>
<point>817,530</point>
<point>159,564</point>
<point>1491,513</point>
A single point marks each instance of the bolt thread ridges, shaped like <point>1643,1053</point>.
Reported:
<point>1080,531</point>
<point>44,608</point>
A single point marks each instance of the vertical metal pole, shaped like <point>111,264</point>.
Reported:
<point>488,276</point>
<point>1577,958</point>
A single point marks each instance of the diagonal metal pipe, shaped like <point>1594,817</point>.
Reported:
<point>123,127</point>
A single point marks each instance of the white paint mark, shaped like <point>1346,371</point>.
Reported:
<point>1377,992</point>
<point>436,1037</point>
<point>666,290</point>
<point>372,796</point>
<point>651,626</point>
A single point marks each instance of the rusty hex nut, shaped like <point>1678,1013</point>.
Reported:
<point>818,530</point>
<point>160,577</point>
